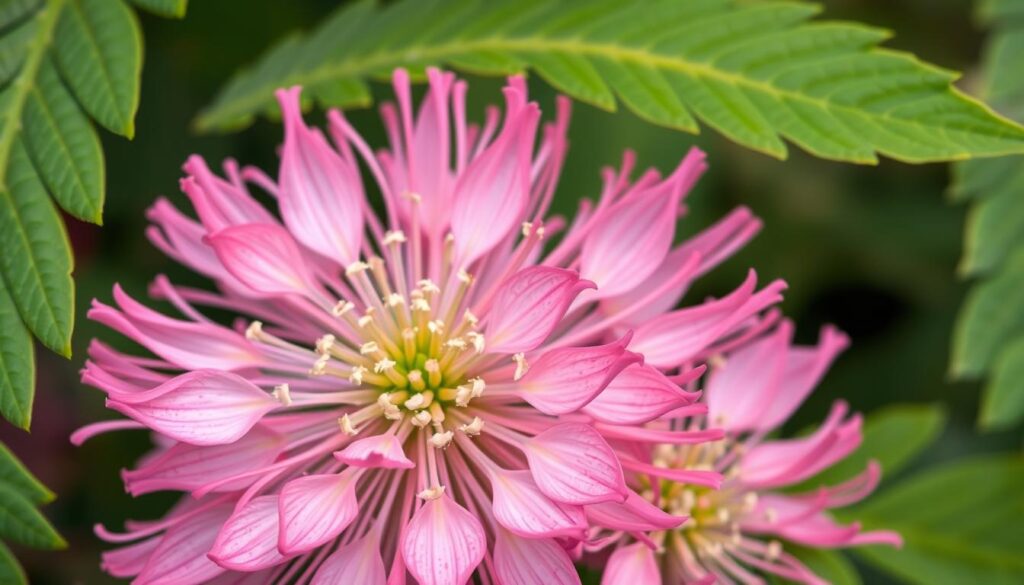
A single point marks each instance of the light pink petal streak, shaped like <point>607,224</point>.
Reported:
<point>443,543</point>
<point>573,464</point>
<point>320,193</point>
<point>528,307</point>
<point>527,561</point>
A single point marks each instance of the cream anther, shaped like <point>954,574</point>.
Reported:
<point>342,307</point>
<point>346,426</point>
<point>394,237</point>
<point>428,286</point>
<point>395,299</point>
<point>527,228</point>
<point>254,331</point>
<point>465,276</point>
<point>442,440</point>
<point>435,326</point>
<point>431,493</point>
<point>383,365</point>
<point>470,318</point>
<point>417,402</point>
<point>477,340</point>
<point>774,550</point>
<point>283,394</point>
<point>420,305</point>
<point>421,419</point>
<point>356,377</point>
<point>473,428</point>
<point>369,347</point>
<point>320,365</point>
<point>521,366</point>
<point>325,343</point>
<point>356,267</point>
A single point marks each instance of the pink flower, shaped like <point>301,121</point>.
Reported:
<point>424,395</point>
<point>736,532</point>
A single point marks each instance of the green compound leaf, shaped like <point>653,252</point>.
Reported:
<point>64,147</point>
<point>36,264</point>
<point>989,335</point>
<point>760,73</point>
<point>962,523</point>
<point>10,571</point>
<point>21,522</point>
<point>165,8</point>
<point>893,436</point>
<point>17,367</point>
<point>99,51</point>
<point>14,474</point>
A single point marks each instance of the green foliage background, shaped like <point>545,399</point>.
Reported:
<point>874,250</point>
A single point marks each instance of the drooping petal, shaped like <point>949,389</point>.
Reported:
<point>443,543</point>
<point>128,561</point>
<point>181,559</point>
<point>746,384</point>
<point>185,344</point>
<point>788,461</point>
<point>639,394</point>
<point>491,194</point>
<point>632,236</point>
<point>205,407</point>
<point>188,467</point>
<point>572,463</point>
<point>383,450</point>
<point>805,366</point>
<point>219,204</point>
<point>676,337</point>
<point>566,379</point>
<point>522,508</point>
<point>264,257</point>
<point>529,306</point>
<point>531,561</point>
<point>315,509</point>
<point>636,514</point>
<point>359,562</point>
<point>248,540</point>
<point>631,565</point>
<point>320,193</point>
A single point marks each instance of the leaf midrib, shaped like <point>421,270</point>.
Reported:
<point>48,15</point>
<point>360,65</point>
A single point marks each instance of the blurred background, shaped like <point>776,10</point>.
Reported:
<point>871,249</point>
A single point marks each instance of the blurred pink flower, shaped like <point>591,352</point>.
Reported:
<point>734,533</point>
<point>429,392</point>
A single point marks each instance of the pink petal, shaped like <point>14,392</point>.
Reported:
<point>532,561</point>
<point>789,461</point>
<point>185,344</point>
<point>205,407</point>
<point>220,204</point>
<point>320,193</point>
<point>636,514</point>
<point>805,366</point>
<point>188,467</point>
<point>181,559</point>
<point>677,337</point>
<point>571,463</point>
<point>528,307</point>
<point>520,507</point>
<point>264,257</point>
<point>248,540</point>
<point>639,394</point>
<point>383,450</point>
<point>128,561</point>
<point>443,543</point>
<point>746,385</point>
<point>314,509</point>
<point>566,379</point>
<point>491,194</point>
<point>356,563</point>
<point>632,236</point>
<point>631,565</point>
